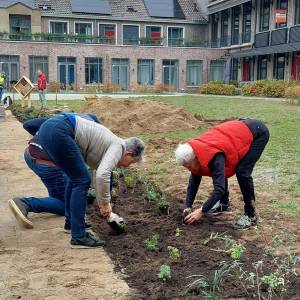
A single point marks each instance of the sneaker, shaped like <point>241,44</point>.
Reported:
<point>245,223</point>
<point>88,241</point>
<point>219,208</point>
<point>67,227</point>
<point>20,210</point>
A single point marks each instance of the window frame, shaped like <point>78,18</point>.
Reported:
<point>35,75</point>
<point>99,73</point>
<point>58,21</point>
<point>201,72</point>
<point>131,24</point>
<point>183,34</point>
<point>153,70</point>
<point>116,31</point>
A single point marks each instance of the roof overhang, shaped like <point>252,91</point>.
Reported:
<point>219,5</point>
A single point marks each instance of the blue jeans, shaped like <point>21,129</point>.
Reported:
<point>56,136</point>
<point>1,93</point>
<point>55,181</point>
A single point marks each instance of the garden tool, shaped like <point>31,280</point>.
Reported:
<point>116,223</point>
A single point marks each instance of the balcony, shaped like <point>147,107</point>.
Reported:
<point>228,40</point>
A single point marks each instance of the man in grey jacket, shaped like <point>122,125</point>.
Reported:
<point>72,142</point>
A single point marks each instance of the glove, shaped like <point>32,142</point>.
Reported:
<point>116,223</point>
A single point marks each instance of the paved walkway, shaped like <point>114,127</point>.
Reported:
<point>39,263</point>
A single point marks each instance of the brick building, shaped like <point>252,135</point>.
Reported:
<point>125,42</point>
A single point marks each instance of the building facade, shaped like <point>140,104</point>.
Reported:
<point>261,36</point>
<point>128,43</point>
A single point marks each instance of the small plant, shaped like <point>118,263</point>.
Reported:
<point>164,273</point>
<point>151,244</point>
<point>275,283</point>
<point>163,205</point>
<point>129,181</point>
<point>236,251</point>
<point>174,253</point>
<point>178,232</point>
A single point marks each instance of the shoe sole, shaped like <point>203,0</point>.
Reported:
<point>220,213</point>
<point>85,247</point>
<point>68,231</point>
<point>244,229</point>
<point>19,215</point>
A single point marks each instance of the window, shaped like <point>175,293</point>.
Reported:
<point>234,69</point>
<point>175,36</point>
<point>282,5</point>
<point>214,30</point>
<point>37,63</point>
<point>67,72</point>
<point>194,70</point>
<point>85,31</point>
<point>93,70</point>
<point>247,8</point>
<point>279,66</point>
<point>224,28</point>
<point>153,35</point>
<point>120,73</point>
<point>145,71</point>
<point>264,15</point>
<point>235,25</point>
<point>107,33</point>
<point>217,68</point>
<point>58,27</point>
<point>19,24</point>
<point>297,12</point>
<point>131,34</point>
<point>10,66</point>
<point>262,68</point>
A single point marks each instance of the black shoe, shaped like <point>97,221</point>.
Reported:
<point>245,223</point>
<point>67,227</point>
<point>219,208</point>
<point>20,209</point>
<point>88,241</point>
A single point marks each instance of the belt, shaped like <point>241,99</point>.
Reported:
<point>41,161</point>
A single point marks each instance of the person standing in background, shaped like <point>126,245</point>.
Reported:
<point>2,84</point>
<point>42,85</point>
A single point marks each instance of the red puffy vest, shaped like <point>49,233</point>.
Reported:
<point>233,138</point>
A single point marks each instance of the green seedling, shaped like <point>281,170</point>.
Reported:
<point>164,273</point>
<point>163,205</point>
<point>236,251</point>
<point>178,232</point>
<point>151,244</point>
<point>174,253</point>
<point>129,181</point>
<point>275,283</point>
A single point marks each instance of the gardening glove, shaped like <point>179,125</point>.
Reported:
<point>105,210</point>
<point>116,223</point>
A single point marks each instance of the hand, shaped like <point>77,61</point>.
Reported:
<point>194,217</point>
<point>105,210</point>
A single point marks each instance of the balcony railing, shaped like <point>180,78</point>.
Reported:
<point>228,41</point>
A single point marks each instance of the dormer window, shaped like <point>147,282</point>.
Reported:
<point>131,8</point>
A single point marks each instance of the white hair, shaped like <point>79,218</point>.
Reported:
<point>184,154</point>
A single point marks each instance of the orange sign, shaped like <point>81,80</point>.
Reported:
<point>280,16</point>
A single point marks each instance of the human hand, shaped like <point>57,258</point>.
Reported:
<point>105,210</point>
<point>194,217</point>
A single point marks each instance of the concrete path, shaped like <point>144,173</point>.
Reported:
<point>39,263</point>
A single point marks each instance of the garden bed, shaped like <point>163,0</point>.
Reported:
<point>199,254</point>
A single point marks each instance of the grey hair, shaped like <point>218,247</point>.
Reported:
<point>136,146</point>
<point>184,154</point>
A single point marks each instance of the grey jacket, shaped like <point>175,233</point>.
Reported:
<point>102,150</point>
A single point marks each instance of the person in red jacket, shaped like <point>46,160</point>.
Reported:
<point>230,148</point>
<point>42,85</point>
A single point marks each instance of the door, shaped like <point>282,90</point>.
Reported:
<point>120,73</point>
<point>246,70</point>
<point>296,68</point>
<point>66,75</point>
<point>170,74</point>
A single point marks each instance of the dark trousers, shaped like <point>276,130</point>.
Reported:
<point>245,167</point>
<point>56,136</point>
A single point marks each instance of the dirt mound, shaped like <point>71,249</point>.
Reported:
<point>128,117</point>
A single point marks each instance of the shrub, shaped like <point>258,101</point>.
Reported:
<point>246,90</point>
<point>265,88</point>
<point>293,94</point>
<point>217,88</point>
<point>160,88</point>
<point>109,87</point>
<point>24,113</point>
<point>53,86</point>
<point>139,88</point>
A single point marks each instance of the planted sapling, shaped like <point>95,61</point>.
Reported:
<point>151,244</point>
<point>236,251</point>
<point>174,253</point>
<point>164,273</point>
<point>178,232</point>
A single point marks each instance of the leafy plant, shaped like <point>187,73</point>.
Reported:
<point>274,281</point>
<point>129,181</point>
<point>174,253</point>
<point>178,232</point>
<point>236,251</point>
<point>164,273</point>
<point>151,244</point>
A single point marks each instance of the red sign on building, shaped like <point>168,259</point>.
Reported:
<point>280,16</point>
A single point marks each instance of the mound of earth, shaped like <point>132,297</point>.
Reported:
<point>128,117</point>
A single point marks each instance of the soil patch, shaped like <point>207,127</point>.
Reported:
<point>141,266</point>
<point>127,117</point>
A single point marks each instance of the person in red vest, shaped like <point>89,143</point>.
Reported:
<point>42,85</point>
<point>230,148</point>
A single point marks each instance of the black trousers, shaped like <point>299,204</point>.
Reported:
<point>245,167</point>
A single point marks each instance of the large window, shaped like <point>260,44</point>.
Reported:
<point>194,70</point>
<point>67,72</point>
<point>264,15</point>
<point>279,66</point>
<point>93,70</point>
<point>84,32</point>
<point>120,73</point>
<point>297,12</point>
<point>19,24</point>
<point>58,27</point>
<point>10,66</point>
<point>175,36</point>
<point>235,25</point>
<point>247,8</point>
<point>145,72</point>
<point>214,30</point>
<point>217,68</point>
<point>224,28</point>
<point>37,63</point>
<point>131,34</point>
<point>107,33</point>
<point>282,8</point>
<point>170,73</point>
<point>262,67</point>
<point>153,35</point>
<point>234,69</point>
